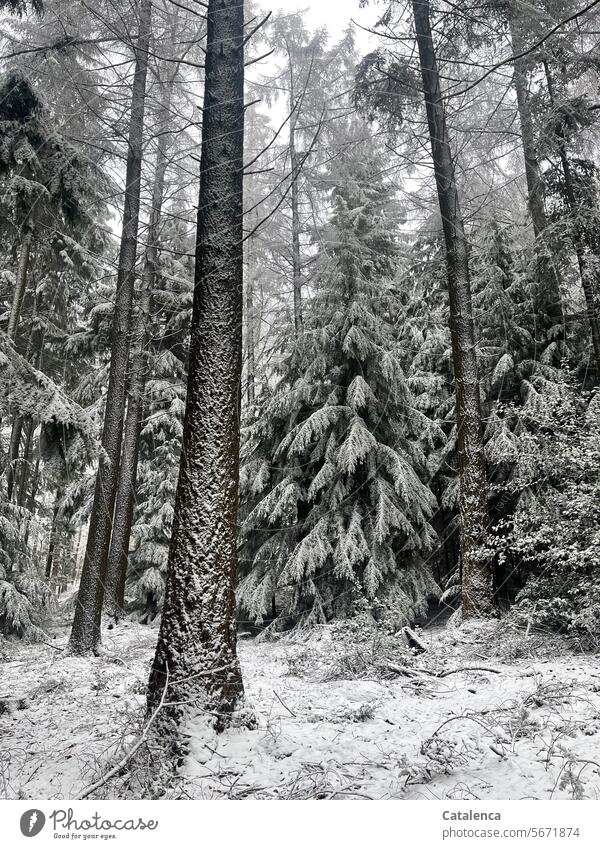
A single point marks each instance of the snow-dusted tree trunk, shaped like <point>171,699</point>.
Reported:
<point>85,635</point>
<point>196,651</point>
<point>476,570</point>
<point>123,517</point>
<point>116,570</point>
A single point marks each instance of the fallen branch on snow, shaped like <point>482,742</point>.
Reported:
<point>129,755</point>
<point>468,669</point>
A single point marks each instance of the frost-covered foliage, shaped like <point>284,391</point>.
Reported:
<point>25,597</point>
<point>553,539</point>
<point>160,441</point>
<point>337,513</point>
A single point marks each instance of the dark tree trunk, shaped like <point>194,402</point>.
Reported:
<point>250,344</point>
<point>118,558</point>
<point>85,635</point>
<point>196,651</point>
<point>31,499</point>
<point>295,204</point>
<point>296,256</point>
<point>547,307</point>
<point>13,454</point>
<point>21,283</point>
<point>14,469</point>
<point>53,533</point>
<point>476,570</point>
<point>585,272</point>
<point>25,463</point>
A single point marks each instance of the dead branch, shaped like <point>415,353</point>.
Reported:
<point>129,755</point>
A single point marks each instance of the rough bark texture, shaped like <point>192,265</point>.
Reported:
<point>196,651</point>
<point>118,557</point>
<point>116,571</point>
<point>85,635</point>
<point>476,570</point>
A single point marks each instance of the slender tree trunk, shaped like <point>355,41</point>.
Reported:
<point>547,298</point>
<point>13,326</point>
<point>296,256</point>
<point>33,353</point>
<point>25,463</point>
<point>53,533</point>
<point>250,346</point>
<point>295,204</point>
<point>31,500</point>
<point>13,454</point>
<point>85,635</point>
<point>196,651</point>
<point>476,570</point>
<point>21,283</point>
<point>587,284</point>
<point>118,557</point>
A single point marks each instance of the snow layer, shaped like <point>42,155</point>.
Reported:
<point>331,723</point>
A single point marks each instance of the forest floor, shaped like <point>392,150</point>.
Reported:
<point>341,714</point>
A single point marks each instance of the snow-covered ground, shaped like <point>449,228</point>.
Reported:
<point>340,715</point>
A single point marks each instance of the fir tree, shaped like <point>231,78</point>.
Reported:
<point>337,512</point>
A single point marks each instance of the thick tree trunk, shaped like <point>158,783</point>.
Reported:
<point>20,283</point>
<point>118,557</point>
<point>476,570</point>
<point>196,651</point>
<point>547,305</point>
<point>85,635</point>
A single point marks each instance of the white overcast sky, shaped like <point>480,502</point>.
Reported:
<point>334,14</point>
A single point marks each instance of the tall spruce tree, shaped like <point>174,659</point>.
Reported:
<point>476,571</point>
<point>196,652</point>
<point>86,631</point>
<point>337,513</point>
